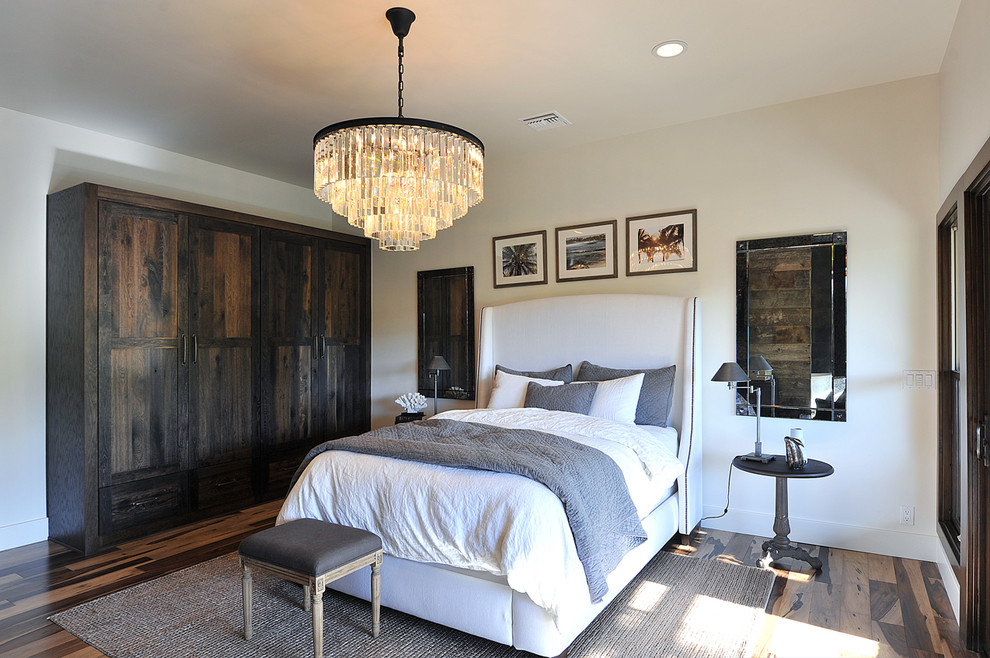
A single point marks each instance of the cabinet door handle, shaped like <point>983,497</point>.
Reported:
<point>182,347</point>
<point>195,348</point>
<point>323,345</point>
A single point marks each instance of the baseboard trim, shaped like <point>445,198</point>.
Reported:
<point>21,534</point>
<point>855,538</point>
<point>948,577</point>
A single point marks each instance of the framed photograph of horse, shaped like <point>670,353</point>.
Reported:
<point>662,242</point>
<point>520,259</point>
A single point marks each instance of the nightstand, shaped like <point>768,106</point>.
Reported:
<point>780,546</point>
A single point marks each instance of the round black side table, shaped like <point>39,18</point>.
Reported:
<point>780,546</point>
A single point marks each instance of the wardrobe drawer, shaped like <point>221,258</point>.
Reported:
<point>224,487</point>
<point>281,468</point>
<point>139,502</point>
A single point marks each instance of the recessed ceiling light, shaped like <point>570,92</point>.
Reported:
<point>669,48</point>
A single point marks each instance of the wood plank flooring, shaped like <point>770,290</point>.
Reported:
<point>858,605</point>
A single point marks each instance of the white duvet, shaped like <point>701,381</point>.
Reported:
<point>506,525</point>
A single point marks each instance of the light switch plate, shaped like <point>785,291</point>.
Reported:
<point>922,379</point>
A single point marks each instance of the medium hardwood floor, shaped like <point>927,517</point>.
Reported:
<point>858,605</point>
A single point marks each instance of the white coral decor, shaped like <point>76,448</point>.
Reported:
<point>411,402</point>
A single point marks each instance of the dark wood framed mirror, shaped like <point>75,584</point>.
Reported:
<point>446,329</point>
<point>791,310</point>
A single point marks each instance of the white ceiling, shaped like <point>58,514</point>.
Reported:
<point>247,83</point>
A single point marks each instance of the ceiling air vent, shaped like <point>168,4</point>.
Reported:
<point>546,121</point>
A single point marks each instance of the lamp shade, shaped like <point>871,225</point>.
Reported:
<point>730,372</point>
<point>438,363</point>
<point>759,364</point>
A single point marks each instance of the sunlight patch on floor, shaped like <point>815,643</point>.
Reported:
<point>733,620</point>
<point>647,596</point>
<point>795,639</point>
<point>796,576</point>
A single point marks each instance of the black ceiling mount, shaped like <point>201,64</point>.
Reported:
<point>400,18</point>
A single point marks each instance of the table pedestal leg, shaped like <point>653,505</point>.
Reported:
<point>780,546</point>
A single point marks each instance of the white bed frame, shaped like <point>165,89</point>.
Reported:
<point>619,331</point>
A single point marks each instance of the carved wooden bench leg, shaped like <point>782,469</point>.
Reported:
<point>247,591</point>
<point>376,595</point>
<point>319,586</point>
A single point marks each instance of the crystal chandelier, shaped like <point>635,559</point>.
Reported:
<point>399,179</point>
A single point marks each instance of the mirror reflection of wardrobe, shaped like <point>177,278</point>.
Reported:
<point>446,328</point>
<point>791,310</point>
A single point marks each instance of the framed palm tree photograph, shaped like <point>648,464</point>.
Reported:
<point>662,242</point>
<point>520,259</point>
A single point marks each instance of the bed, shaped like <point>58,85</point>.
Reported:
<point>497,600</point>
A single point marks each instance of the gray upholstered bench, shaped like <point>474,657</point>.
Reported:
<point>312,553</point>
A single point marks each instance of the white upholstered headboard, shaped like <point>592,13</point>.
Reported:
<point>618,331</point>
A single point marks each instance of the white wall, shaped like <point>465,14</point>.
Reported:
<point>38,156</point>
<point>964,95</point>
<point>863,161</point>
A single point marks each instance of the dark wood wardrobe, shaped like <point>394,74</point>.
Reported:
<point>194,356</point>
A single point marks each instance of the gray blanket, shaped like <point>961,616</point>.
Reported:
<point>590,485</point>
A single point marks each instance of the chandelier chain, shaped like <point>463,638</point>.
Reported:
<point>401,53</point>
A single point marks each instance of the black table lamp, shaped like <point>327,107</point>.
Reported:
<point>733,374</point>
<point>437,364</point>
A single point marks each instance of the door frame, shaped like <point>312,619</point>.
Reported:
<point>970,198</point>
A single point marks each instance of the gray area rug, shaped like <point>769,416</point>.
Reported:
<point>678,606</point>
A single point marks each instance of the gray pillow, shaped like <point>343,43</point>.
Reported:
<point>655,398</point>
<point>576,398</point>
<point>562,374</point>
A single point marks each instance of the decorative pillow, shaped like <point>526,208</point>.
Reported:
<point>509,391</point>
<point>655,398</point>
<point>562,374</point>
<point>576,398</point>
<point>617,399</point>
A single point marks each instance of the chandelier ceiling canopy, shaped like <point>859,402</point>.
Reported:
<point>400,180</point>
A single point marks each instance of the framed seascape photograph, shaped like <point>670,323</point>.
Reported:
<point>587,251</point>
<point>662,242</point>
<point>520,259</point>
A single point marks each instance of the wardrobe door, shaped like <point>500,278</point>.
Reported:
<point>289,353</point>
<point>221,356</point>
<point>343,325</point>
<point>142,444</point>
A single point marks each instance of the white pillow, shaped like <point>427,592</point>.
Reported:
<point>509,391</point>
<point>617,399</point>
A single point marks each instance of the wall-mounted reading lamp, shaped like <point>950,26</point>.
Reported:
<point>731,373</point>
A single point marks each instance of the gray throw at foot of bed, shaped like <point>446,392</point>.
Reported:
<point>590,485</point>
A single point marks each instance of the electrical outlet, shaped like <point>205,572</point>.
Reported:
<point>907,515</point>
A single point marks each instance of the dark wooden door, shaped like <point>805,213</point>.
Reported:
<point>976,557</point>
<point>342,327</point>
<point>290,350</point>
<point>142,441</point>
<point>222,357</point>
